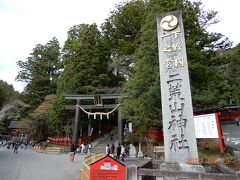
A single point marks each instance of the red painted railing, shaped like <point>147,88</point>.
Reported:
<point>228,116</point>
<point>155,134</point>
<point>60,141</point>
<point>68,141</point>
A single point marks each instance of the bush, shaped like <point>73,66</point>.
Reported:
<point>131,139</point>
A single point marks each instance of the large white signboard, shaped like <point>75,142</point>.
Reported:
<point>206,126</point>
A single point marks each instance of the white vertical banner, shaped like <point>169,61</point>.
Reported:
<point>91,131</point>
<point>130,127</point>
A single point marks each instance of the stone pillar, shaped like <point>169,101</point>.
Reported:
<point>76,124</point>
<point>120,128</point>
<point>180,167</point>
<point>80,130</point>
<point>140,153</point>
<point>132,172</point>
<point>178,122</point>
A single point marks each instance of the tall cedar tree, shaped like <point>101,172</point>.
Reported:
<point>143,105</point>
<point>121,31</point>
<point>38,118</point>
<point>40,72</point>
<point>228,65</point>
<point>7,93</point>
<point>12,111</point>
<point>11,107</point>
<point>85,60</point>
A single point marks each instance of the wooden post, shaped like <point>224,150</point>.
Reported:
<point>89,127</point>
<point>120,128</point>
<point>80,130</point>
<point>76,124</point>
<point>220,135</point>
<point>99,127</point>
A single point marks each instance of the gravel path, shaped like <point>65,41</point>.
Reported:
<point>29,165</point>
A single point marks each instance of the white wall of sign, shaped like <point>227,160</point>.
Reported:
<point>206,126</point>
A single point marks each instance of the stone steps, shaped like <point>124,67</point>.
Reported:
<point>101,147</point>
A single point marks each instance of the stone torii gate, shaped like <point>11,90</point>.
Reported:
<point>98,104</point>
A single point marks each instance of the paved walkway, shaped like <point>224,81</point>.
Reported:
<point>231,133</point>
<point>29,165</point>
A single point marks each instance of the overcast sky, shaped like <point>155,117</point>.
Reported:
<point>26,23</point>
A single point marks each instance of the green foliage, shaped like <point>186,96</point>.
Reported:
<point>56,115</point>
<point>7,93</point>
<point>205,97</point>
<point>85,57</point>
<point>227,85</point>
<point>142,86</point>
<point>144,112</point>
<point>67,129</point>
<point>11,111</point>
<point>38,119</point>
<point>2,95</point>
<point>40,71</point>
<point>121,31</point>
<point>85,61</point>
<point>131,139</point>
<point>11,106</point>
<point>200,49</point>
<point>127,49</point>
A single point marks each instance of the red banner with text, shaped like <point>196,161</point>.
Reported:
<point>107,168</point>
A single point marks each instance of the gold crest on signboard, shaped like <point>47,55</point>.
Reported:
<point>169,22</point>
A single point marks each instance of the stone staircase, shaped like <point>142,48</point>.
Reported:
<point>99,146</point>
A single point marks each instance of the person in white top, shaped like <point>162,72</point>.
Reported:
<point>82,148</point>
<point>122,152</point>
<point>89,148</point>
<point>107,150</point>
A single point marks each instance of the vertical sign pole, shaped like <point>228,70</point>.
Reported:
<point>99,127</point>
<point>220,135</point>
<point>178,122</point>
<point>76,124</point>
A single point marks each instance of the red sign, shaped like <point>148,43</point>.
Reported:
<point>107,168</point>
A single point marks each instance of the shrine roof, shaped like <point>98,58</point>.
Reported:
<point>217,108</point>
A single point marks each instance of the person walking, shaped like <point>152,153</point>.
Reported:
<point>85,148</point>
<point>122,152</point>
<point>107,150</point>
<point>15,148</point>
<point>25,144</point>
<point>89,148</point>
<point>72,152</point>
<point>78,150</point>
<point>13,144</point>
<point>118,151</point>
<point>1,143</point>
<point>112,150</point>
<point>82,148</point>
<point>127,148</point>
